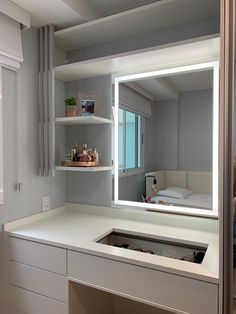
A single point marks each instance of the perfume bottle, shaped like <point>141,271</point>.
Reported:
<point>77,154</point>
<point>95,155</point>
<point>73,154</point>
<point>85,157</point>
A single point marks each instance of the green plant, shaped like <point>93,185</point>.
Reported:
<point>70,101</point>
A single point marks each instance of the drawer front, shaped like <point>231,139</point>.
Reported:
<point>37,280</point>
<point>13,311</point>
<point>27,302</point>
<point>38,255</point>
<point>156,287</point>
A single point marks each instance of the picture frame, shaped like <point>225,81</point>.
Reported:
<point>88,103</point>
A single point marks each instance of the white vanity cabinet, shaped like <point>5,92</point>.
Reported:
<point>162,289</point>
<point>48,279</point>
<point>37,281</point>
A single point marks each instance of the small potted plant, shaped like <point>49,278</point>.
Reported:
<point>70,107</point>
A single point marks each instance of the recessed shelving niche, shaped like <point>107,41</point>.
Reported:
<point>135,22</point>
<point>143,60</point>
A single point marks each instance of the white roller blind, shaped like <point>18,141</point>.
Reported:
<point>10,42</point>
<point>131,100</point>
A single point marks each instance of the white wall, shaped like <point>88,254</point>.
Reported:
<point>29,201</point>
<point>91,188</point>
<point>179,133</point>
<point>162,137</point>
<point>195,131</point>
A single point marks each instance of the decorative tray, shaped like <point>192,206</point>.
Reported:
<point>69,163</point>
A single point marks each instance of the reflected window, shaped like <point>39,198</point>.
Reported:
<point>130,141</point>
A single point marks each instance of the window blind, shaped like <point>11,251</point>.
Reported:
<point>133,101</point>
<point>10,42</point>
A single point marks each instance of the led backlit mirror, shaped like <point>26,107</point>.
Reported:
<point>166,139</point>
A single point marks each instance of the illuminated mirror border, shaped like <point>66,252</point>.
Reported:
<point>215,158</point>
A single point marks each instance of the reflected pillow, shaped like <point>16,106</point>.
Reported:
<point>175,192</point>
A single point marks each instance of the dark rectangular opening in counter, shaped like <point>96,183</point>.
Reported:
<point>163,247</point>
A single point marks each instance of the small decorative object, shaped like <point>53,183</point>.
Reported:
<point>88,104</point>
<point>70,107</point>
<point>81,157</point>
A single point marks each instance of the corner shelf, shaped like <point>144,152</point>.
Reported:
<point>82,120</point>
<point>84,169</point>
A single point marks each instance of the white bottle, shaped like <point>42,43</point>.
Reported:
<point>95,155</point>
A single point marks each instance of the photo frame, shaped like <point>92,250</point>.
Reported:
<point>88,103</point>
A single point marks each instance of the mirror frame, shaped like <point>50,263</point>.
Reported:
<point>214,65</point>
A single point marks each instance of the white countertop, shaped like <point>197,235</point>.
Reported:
<point>77,227</point>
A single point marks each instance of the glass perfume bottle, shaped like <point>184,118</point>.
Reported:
<point>85,157</point>
<point>95,155</point>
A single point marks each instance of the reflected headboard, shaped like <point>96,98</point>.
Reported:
<point>198,182</point>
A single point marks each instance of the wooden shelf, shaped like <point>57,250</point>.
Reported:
<point>143,60</point>
<point>142,20</point>
<point>84,169</point>
<point>82,120</point>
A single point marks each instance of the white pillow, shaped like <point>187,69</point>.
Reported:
<point>175,192</point>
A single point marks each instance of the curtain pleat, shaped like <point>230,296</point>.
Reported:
<point>46,100</point>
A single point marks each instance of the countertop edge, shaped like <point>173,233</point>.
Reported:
<point>209,279</point>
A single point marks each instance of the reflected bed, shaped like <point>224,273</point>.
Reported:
<point>193,200</point>
<point>195,188</point>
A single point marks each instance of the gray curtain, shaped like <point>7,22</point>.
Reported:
<point>46,100</point>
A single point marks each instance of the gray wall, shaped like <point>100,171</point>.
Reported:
<point>29,201</point>
<point>179,133</point>
<point>131,188</point>
<point>195,131</point>
<point>161,136</point>
<point>34,187</point>
<point>91,188</point>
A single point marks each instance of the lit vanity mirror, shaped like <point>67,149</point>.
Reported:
<point>166,139</point>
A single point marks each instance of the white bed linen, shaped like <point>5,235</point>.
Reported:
<point>193,200</point>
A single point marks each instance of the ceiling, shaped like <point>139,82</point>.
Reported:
<point>170,87</point>
<point>65,13</point>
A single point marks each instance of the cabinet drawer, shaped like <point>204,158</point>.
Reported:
<point>27,302</point>
<point>13,311</point>
<point>37,280</point>
<point>38,255</point>
<point>162,289</point>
